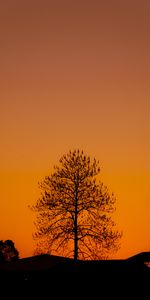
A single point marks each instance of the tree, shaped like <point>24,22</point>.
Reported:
<point>74,211</point>
<point>8,252</point>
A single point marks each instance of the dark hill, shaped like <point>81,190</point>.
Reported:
<point>55,273</point>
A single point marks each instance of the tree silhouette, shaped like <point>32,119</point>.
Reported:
<point>74,211</point>
<point>8,252</point>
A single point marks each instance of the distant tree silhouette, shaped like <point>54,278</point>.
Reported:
<point>74,211</point>
<point>8,252</point>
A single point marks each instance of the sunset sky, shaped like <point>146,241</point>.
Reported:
<point>75,74</point>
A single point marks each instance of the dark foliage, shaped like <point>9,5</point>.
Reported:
<point>8,252</point>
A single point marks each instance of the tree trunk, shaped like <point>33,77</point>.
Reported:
<point>76,231</point>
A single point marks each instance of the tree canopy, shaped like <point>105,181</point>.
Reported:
<point>74,211</point>
<point>8,252</point>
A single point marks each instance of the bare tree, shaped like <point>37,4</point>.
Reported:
<point>74,211</point>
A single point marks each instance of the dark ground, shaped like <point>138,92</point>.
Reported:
<point>33,278</point>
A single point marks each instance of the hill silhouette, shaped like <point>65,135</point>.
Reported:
<point>41,267</point>
<point>64,277</point>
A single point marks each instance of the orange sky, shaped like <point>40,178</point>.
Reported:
<point>75,74</point>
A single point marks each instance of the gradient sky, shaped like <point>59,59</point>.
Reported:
<point>75,74</point>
